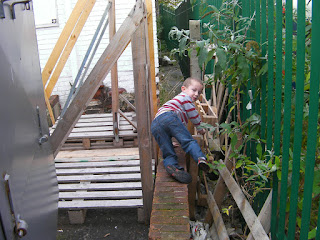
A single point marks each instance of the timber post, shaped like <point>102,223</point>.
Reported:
<point>144,111</point>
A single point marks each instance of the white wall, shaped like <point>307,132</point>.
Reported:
<point>47,37</point>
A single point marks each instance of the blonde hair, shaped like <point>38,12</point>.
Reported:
<point>189,80</point>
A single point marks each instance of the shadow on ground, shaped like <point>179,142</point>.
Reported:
<point>104,224</point>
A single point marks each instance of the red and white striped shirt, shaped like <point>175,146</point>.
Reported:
<point>184,108</point>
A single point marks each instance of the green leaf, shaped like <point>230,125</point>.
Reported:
<point>222,58</point>
<point>259,150</point>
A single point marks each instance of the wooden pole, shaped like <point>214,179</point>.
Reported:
<point>196,73</point>
<point>142,79</point>
<point>69,46</point>
<point>114,74</point>
<point>116,46</point>
<point>64,36</point>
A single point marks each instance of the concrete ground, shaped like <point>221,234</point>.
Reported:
<point>104,224</point>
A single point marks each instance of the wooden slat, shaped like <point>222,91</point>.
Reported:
<point>105,115</point>
<point>113,159</point>
<point>66,171</point>
<point>101,195</point>
<point>68,48</point>
<point>97,164</point>
<point>101,119</point>
<point>101,204</point>
<point>217,218</point>
<point>106,178</point>
<point>97,75</point>
<point>99,186</point>
<point>264,216</point>
<point>93,135</point>
<point>244,206</point>
<point>105,153</point>
<point>64,36</point>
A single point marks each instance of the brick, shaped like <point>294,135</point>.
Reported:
<point>169,236</point>
<point>169,228</point>
<point>171,213</point>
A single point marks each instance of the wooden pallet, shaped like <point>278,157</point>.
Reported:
<point>95,131</point>
<point>98,181</point>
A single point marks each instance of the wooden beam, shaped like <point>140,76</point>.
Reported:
<point>195,71</point>
<point>151,51</point>
<point>97,75</point>
<point>64,36</point>
<point>53,121</point>
<point>68,48</point>
<point>217,218</point>
<point>114,73</point>
<point>141,72</point>
<point>244,206</point>
<point>265,215</point>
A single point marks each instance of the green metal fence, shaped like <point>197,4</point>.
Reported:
<point>288,104</point>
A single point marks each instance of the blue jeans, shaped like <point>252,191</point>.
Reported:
<point>168,125</point>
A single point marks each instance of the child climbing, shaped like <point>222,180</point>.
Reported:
<point>171,121</point>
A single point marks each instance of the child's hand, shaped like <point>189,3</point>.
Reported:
<point>201,131</point>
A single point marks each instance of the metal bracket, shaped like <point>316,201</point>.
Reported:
<point>21,225</point>
<point>43,137</point>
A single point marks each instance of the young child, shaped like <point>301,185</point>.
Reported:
<point>171,120</point>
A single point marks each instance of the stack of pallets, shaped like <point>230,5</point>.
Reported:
<point>94,131</point>
<point>98,181</point>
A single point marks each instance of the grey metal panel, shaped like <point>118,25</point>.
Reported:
<point>33,183</point>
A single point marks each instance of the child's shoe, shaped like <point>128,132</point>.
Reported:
<point>179,175</point>
<point>203,165</point>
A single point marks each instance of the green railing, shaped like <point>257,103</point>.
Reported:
<point>288,103</point>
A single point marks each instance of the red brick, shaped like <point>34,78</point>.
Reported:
<point>170,213</point>
<point>170,228</point>
<point>169,236</point>
<point>159,206</point>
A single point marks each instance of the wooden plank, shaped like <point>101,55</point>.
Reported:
<point>66,171</point>
<point>98,160</point>
<point>97,164</point>
<point>141,72</point>
<point>133,124</point>
<point>53,121</point>
<point>105,115</point>
<point>64,36</point>
<point>114,75</point>
<point>92,135</point>
<point>195,71</point>
<point>105,153</point>
<point>103,177</point>
<point>265,215</point>
<point>97,75</point>
<point>243,205</point>
<point>86,143</point>
<point>101,123</point>
<point>127,102</point>
<point>217,218</point>
<point>99,129</point>
<point>68,48</point>
<point>101,204</point>
<point>101,194</point>
<point>153,98</point>
<point>99,186</point>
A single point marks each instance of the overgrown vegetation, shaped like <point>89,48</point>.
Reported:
<point>240,65</point>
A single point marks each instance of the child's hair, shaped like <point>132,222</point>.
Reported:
<point>189,80</point>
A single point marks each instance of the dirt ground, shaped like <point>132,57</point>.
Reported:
<point>103,224</point>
